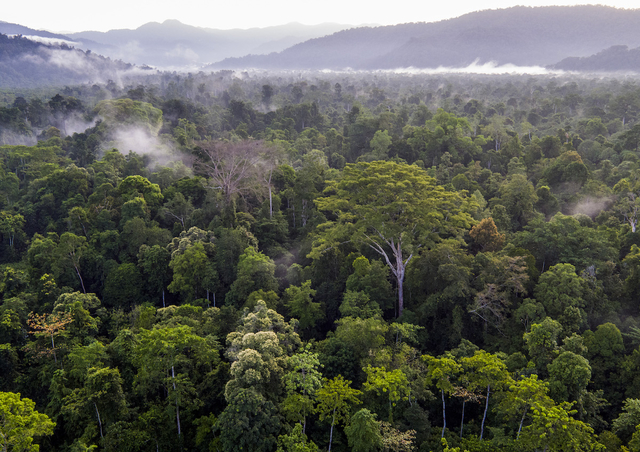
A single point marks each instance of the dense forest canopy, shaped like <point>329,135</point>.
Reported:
<point>321,261</point>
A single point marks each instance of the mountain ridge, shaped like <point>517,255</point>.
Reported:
<point>544,35</point>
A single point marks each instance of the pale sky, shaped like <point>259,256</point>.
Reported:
<point>83,15</point>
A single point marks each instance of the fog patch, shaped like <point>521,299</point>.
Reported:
<point>10,138</point>
<point>47,41</point>
<point>182,52</point>
<point>142,142</point>
<point>89,67</point>
<point>77,124</point>
<point>591,206</point>
<point>489,68</point>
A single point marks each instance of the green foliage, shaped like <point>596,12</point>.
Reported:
<point>296,441</point>
<point>363,432</point>
<point>255,271</point>
<point>20,422</point>
<point>299,302</point>
<point>127,112</point>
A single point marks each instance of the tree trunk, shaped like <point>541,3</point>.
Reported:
<point>173,375</point>
<point>486,408</point>
<point>163,305</point>
<point>464,402</point>
<point>444,416</point>
<point>400,296</point>
<point>80,277</point>
<point>99,421</point>
<point>270,195</point>
<point>522,421</point>
<point>331,434</point>
<point>53,347</point>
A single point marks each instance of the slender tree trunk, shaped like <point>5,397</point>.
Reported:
<point>464,402</point>
<point>444,416</point>
<point>522,421</point>
<point>80,277</point>
<point>270,194</point>
<point>53,347</point>
<point>163,305</point>
<point>486,408</point>
<point>173,375</point>
<point>99,421</point>
<point>331,434</point>
<point>400,296</point>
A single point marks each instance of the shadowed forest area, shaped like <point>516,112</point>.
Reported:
<point>243,261</point>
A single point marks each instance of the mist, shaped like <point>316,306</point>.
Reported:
<point>591,206</point>
<point>142,142</point>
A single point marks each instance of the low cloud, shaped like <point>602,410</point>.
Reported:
<point>142,142</point>
<point>490,68</point>
<point>47,41</point>
<point>8,137</point>
<point>591,206</point>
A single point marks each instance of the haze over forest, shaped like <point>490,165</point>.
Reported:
<point>413,238</point>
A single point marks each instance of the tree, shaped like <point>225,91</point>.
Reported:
<point>486,370</point>
<point>553,428</point>
<point>542,342</point>
<point>393,208</point>
<point>250,422</point>
<point>335,398</point>
<point>380,144</point>
<point>49,326</point>
<point>569,375</point>
<point>296,441</point>
<point>101,397</point>
<point>393,440</point>
<point>10,226</point>
<point>300,304</point>
<point>486,236</point>
<point>70,251</point>
<point>522,395</point>
<point>20,422</point>
<point>363,432</point>
<point>258,349</point>
<point>167,357</point>
<point>393,383</point>
<point>559,290</point>
<point>154,262</point>
<point>231,167</point>
<point>193,272</point>
<point>301,384</point>
<point>626,422</point>
<point>255,271</point>
<point>440,372</point>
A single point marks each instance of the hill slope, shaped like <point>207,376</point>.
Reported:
<point>172,43</point>
<point>26,63</point>
<point>615,58</point>
<point>519,35</point>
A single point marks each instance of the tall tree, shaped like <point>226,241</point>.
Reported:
<point>20,422</point>
<point>335,399</point>
<point>393,208</point>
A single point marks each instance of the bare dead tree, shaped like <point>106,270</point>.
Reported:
<point>231,167</point>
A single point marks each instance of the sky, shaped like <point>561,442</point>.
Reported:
<point>81,15</point>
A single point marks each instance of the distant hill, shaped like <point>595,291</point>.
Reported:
<point>524,36</point>
<point>613,59</point>
<point>25,63</point>
<point>174,44</point>
<point>15,29</point>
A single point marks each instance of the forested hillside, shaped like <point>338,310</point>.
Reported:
<point>26,64</point>
<point>520,35</point>
<point>242,262</point>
